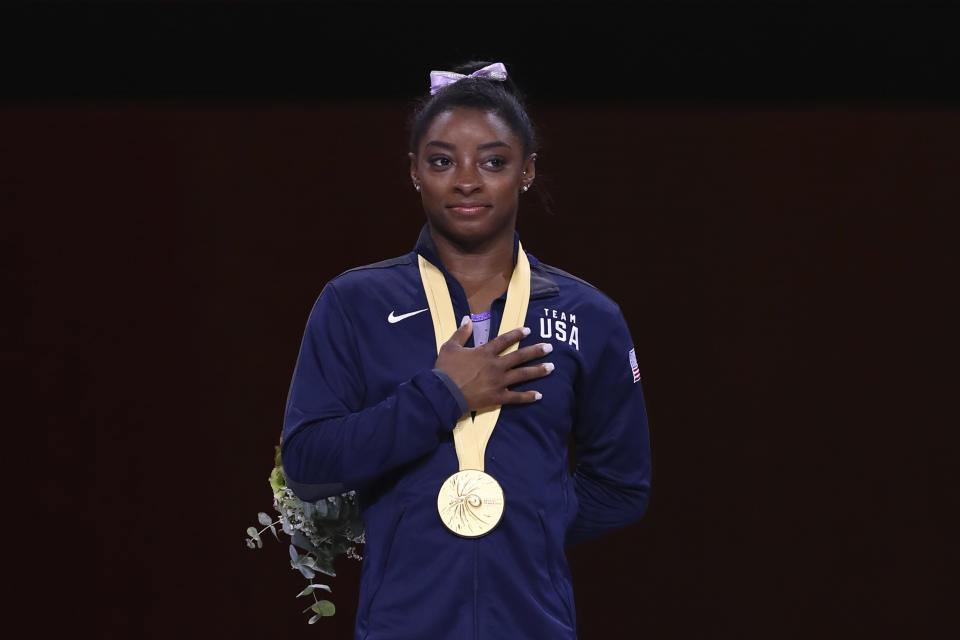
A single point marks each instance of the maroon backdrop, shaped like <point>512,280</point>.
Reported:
<point>771,261</point>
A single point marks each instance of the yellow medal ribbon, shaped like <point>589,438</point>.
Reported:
<point>470,501</point>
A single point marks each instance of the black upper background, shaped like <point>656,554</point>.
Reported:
<point>598,50</point>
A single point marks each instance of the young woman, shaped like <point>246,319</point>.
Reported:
<point>455,433</point>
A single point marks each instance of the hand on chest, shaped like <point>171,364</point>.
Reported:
<point>400,342</point>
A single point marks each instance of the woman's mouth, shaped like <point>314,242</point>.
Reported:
<point>467,208</point>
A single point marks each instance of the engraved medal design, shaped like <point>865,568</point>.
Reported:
<point>470,503</point>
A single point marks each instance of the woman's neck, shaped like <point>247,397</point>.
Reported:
<point>483,271</point>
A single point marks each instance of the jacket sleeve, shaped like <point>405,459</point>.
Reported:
<point>611,441</point>
<point>331,443</point>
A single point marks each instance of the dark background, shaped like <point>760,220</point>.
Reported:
<point>765,188</point>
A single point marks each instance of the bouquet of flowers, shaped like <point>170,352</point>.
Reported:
<point>319,532</point>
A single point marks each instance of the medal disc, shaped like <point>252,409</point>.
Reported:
<point>470,503</point>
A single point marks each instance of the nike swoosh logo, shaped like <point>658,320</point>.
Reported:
<point>392,318</point>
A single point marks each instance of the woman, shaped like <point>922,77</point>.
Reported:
<point>456,437</point>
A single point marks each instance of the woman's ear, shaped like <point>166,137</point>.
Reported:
<point>529,171</point>
<point>413,168</point>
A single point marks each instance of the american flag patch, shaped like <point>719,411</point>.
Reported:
<point>633,365</point>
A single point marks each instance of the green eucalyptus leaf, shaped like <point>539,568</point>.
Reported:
<point>325,608</point>
<point>307,572</point>
<point>321,508</point>
<point>273,530</point>
<point>250,543</point>
<point>264,519</point>
<point>307,590</point>
<point>301,541</point>
<point>314,618</point>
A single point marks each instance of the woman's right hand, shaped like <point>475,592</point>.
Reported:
<point>483,375</point>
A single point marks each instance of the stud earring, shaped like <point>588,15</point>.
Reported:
<point>416,186</point>
<point>525,187</point>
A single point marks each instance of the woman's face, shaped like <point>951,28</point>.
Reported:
<point>470,168</point>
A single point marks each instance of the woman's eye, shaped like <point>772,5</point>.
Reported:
<point>440,161</point>
<point>496,163</point>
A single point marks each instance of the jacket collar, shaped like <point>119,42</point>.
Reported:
<point>542,285</point>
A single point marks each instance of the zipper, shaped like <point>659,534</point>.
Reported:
<point>476,589</point>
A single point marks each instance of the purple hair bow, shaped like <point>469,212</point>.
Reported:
<point>440,79</point>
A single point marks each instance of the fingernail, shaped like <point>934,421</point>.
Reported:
<point>547,348</point>
<point>526,331</point>
<point>548,366</point>
<point>465,320</point>
<point>539,395</point>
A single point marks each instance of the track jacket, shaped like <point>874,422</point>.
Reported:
<point>367,411</point>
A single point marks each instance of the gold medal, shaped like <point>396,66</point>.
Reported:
<point>470,503</point>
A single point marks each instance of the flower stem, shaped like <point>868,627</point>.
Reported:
<point>268,526</point>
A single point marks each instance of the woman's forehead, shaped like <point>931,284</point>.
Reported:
<point>469,126</point>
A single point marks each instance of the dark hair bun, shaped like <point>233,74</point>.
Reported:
<point>466,68</point>
<point>496,96</point>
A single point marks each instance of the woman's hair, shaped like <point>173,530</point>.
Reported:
<point>500,97</point>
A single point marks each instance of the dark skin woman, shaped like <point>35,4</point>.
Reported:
<point>471,168</point>
<point>459,454</point>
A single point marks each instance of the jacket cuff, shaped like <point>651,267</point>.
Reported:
<point>440,397</point>
<point>454,389</point>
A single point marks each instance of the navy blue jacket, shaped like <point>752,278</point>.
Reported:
<point>367,411</point>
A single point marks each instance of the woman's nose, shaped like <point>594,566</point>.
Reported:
<point>467,178</point>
